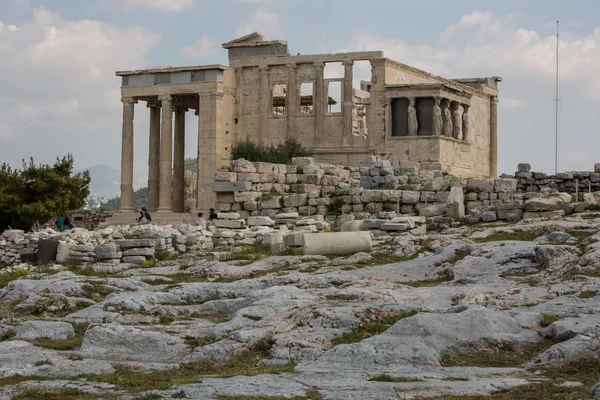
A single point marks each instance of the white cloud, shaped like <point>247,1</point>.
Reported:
<point>508,102</point>
<point>160,5</point>
<point>67,109</point>
<point>60,70</point>
<point>5,132</point>
<point>265,22</point>
<point>204,47</point>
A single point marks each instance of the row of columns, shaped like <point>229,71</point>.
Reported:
<point>449,118</point>
<point>165,176</point>
<point>319,101</point>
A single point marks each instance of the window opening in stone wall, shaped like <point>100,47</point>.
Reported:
<point>400,117</point>
<point>333,70</point>
<point>361,72</point>
<point>279,98</point>
<point>424,108</point>
<point>306,98</point>
<point>334,97</point>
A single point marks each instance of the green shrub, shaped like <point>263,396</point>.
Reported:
<point>277,154</point>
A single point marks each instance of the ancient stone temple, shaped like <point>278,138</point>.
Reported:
<point>402,114</point>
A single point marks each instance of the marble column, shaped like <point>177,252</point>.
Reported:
<point>447,115</point>
<point>347,103</point>
<point>166,155</point>
<point>179,160</point>
<point>438,121</point>
<point>153,156</point>
<point>413,125</point>
<point>292,100</point>
<point>457,121</point>
<point>127,155</point>
<point>493,136</point>
<point>266,104</point>
<point>319,103</point>
<point>466,123</point>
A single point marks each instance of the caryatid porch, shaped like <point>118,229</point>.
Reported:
<point>169,93</point>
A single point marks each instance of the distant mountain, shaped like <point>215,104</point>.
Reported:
<point>106,181</point>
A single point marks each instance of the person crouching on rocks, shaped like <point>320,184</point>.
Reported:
<point>144,217</point>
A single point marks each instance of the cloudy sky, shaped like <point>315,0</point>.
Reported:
<point>59,93</point>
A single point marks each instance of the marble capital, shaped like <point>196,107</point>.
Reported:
<point>347,63</point>
<point>128,100</point>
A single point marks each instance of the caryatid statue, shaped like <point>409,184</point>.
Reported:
<point>457,122</point>
<point>447,119</point>
<point>413,125</point>
<point>465,122</point>
<point>438,122</point>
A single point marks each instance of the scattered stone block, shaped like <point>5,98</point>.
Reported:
<point>395,226</point>
<point>489,216</point>
<point>229,223</point>
<point>544,214</point>
<point>336,243</point>
<point>260,221</point>
<point>543,204</point>
<point>524,167</point>
<point>228,215</point>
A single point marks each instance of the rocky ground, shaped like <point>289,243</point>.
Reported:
<point>507,311</point>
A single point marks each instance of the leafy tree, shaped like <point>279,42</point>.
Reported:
<point>39,193</point>
<point>140,199</point>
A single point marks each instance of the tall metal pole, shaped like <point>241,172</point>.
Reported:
<point>556,107</point>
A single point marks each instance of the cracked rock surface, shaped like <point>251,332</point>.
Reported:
<point>470,311</point>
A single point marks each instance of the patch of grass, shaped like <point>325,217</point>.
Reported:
<point>149,263</point>
<point>592,273</point>
<point>454,379</point>
<point>530,282</point>
<point>7,335</point>
<point>342,296</point>
<point>581,235</point>
<point>252,317</point>
<point>389,378</point>
<point>163,255</point>
<point>245,363</point>
<point>199,341</point>
<point>522,236</point>
<point>590,216</point>
<point>585,370</point>
<point>74,357</point>
<point>7,277</point>
<point>254,252</point>
<point>505,356</point>
<point>96,291</point>
<point>368,329</point>
<point>458,255</point>
<point>547,319</point>
<point>518,273</point>
<point>56,394</point>
<point>43,362</point>
<point>157,281</point>
<point>444,277</point>
<point>216,318</point>
<point>586,294</point>
<point>70,343</point>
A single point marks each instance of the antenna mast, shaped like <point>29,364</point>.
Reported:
<point>556,107</point>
